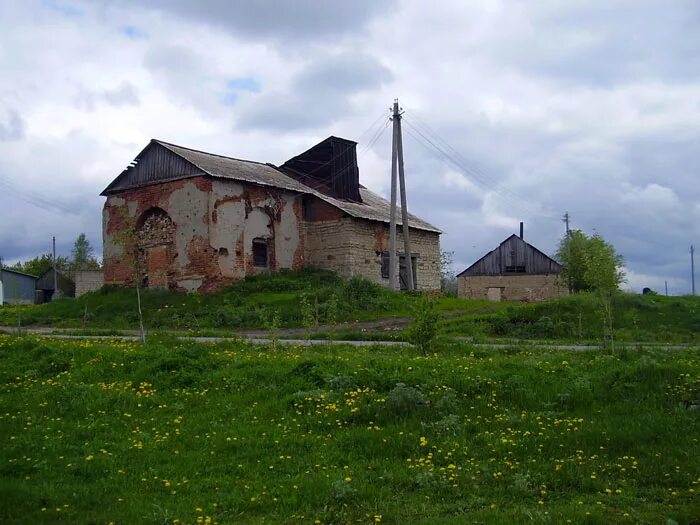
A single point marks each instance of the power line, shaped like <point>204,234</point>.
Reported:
<point>35,200</point>
<point>468,168</point>
<point>432,146</point>
<point>375,138</point>
<point>419,122</point>
<point>471,167</point>
<point>378,133</point>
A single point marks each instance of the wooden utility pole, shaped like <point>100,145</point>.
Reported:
<point>55,277</point>
<point>404,205</point>
<point>392,213</point>
<point>568,248</point>
<point>692,267</point>
<point>397,160</point>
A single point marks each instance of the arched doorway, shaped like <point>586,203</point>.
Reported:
<point>155,232</point>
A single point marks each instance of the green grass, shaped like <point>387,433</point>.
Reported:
<point>246,304</point>
<point>100,432</point>
<point>578,318</point>
<point>251,303</point>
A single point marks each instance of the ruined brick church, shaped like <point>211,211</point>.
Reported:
<point>196,221</point>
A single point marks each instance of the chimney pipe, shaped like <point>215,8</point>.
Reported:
<point>521,230</point>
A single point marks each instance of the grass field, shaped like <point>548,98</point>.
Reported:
<point>246,304</point>
<point>252,303</point>
<point>178,432</point>
<point>635,318</point>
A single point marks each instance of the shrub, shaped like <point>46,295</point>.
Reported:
<point>424,327</point>
<point>308,316</point>
<point>405,400</point>
<point>543,327</point>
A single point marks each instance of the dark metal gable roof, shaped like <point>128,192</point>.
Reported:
<point>65,283</point>
<point>161,161</point>
<point>493,263</point>
<point>17,272</point>
<point>154,164</point>
<point>329,167</point>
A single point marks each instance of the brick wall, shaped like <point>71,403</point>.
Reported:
<point>88,281</point>
<point>527,288</point>
<point>352,247</point>
<point>216,221</point>
<point>210,246</point>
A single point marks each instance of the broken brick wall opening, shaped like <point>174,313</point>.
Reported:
<point>155,232</point>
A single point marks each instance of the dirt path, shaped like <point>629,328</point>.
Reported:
<point>393,324</point>
<point>133,335</point>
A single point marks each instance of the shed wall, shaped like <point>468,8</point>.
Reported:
<point>17,288</point>
<point>88,281</point>
<point>526,288</point>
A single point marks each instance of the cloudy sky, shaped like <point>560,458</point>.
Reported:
<point>590,107</point>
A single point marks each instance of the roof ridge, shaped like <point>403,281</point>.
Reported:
<point>20,272</point>
<point>166,144</point>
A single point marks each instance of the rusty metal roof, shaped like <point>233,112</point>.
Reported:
<point>230,168</point>
<point>375,208</point>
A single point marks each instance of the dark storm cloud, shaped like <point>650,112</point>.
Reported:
<point>587,106</point>
<point>29,225</point>
<point>317,95</point>
<point>604,43</point>
<point>295,22</point>
<point>50,196</point>
<point>673,159</point>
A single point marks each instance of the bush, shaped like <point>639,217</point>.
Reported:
<point>405,400</point>
<point>543,327</point>
<point>425,325</point>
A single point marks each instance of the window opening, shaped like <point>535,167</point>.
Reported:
<point>260,259</point>
<point>385,265</point>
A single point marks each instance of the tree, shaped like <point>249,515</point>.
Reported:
<point>127,238</point>
<point>425,325</point>
<point>83,257</point>
<point>448,283</point>
<point>603,266</point>
<point>589,263</point>
<point>41,264</point>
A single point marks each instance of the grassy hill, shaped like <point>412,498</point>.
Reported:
<point>178,432</point>
<point>635,318</point>
<point>246,304</point>
<point>252,303</point>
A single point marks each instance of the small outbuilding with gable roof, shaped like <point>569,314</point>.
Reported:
<point>514,271</point>
<point>16,287</point>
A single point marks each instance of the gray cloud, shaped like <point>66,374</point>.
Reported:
<point>11,125</point>
<point>317,95</point>
<point>605,43</point>
<point>296,23</point>
<point>123,95</point>
<point>591,107</point>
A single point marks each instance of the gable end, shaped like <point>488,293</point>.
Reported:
<point>513,256</point>
<point>154,164</point>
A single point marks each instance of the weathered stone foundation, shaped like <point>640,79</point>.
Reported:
<point>527,288</point>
